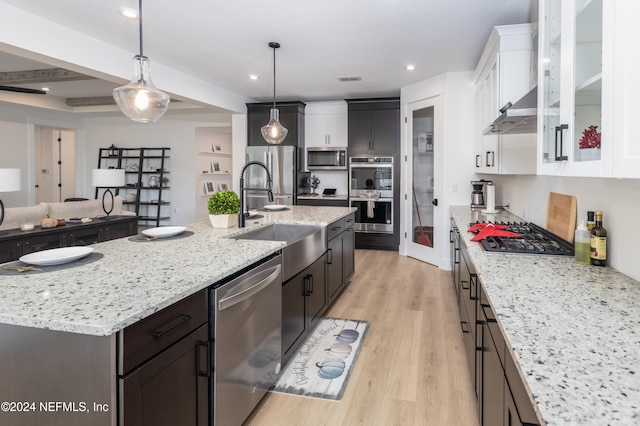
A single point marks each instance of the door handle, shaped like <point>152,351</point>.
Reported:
<point>434,202</point>
<point>171,325</point>
<point>243,294</point>
<point>559,130</point>
<point>202,372</point>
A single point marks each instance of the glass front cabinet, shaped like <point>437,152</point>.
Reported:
<point>575,87</point>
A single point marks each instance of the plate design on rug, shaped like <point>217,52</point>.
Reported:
<point>322,365</point>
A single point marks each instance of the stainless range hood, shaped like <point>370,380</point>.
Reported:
<point>521,117</point>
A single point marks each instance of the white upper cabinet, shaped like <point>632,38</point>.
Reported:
<point>626,89</point>
<point>326,124</point>
<point>575,102</point>
<point>503,75</point>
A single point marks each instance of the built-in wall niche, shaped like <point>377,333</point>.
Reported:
<point>214,164</point>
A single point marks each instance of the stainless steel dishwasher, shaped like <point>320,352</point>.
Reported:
<point>245,314</point>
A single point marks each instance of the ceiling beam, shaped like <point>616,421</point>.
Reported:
<point>91,101</point>
<point>49,75</point>
<point>95,101</point>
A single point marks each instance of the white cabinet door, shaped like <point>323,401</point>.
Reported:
<point>626,90</point>
<point>504,75</point>
<point>326,124</point>
<point>575,128</point>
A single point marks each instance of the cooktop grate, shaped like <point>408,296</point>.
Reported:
<point>534,240</point>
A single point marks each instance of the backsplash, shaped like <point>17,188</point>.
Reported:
<point>619,200</point>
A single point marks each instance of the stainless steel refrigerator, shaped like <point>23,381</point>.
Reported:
<point>283,166</point>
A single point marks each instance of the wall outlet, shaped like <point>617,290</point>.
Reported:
<point>524,214</point>
<point>454,187</point>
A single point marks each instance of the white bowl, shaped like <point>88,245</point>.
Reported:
<point>275,207</point>
<point>164,231</point>
<point>56,256</point>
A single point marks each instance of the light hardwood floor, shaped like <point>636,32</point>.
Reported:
<point>411,369</point>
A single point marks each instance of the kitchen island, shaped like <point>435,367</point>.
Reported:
<point>572,329</point>
<point>87,305</point>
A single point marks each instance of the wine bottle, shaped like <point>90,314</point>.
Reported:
<point>590,220</point>
<point>598,242</point>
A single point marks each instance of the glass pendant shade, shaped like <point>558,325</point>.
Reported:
<point>274,133</point>
<point>140,100</point>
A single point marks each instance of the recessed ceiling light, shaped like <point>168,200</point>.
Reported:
<point>128,12</point>
<point>253,77</point>
<point>410,67</point>
<point>46,89</point>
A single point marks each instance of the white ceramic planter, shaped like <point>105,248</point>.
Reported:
<point>223,220</point>
<point>589,154</point>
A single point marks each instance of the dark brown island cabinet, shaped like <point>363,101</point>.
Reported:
<point>307,295</point>
<point>304,300</point>
<point>340,255</point>
<point>501,394</point>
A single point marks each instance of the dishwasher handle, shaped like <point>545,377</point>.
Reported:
<point>242,294</point>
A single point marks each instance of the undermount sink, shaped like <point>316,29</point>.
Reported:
<point>305,244</point>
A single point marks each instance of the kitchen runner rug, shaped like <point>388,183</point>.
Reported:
<point>321,366</point>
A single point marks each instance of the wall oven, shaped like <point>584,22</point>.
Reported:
<point>371,192</point>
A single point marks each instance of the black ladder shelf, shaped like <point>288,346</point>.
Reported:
<point>140,164</point>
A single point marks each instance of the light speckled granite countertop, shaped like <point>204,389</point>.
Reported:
<point>135,279</point>
<point>574,330</point>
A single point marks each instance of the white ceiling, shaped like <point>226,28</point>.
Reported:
<point>224,41</point>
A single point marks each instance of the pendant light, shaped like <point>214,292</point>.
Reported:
<point>140,100</point>
<point>274,133</point>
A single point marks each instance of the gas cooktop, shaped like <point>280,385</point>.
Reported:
<point>533,240</point>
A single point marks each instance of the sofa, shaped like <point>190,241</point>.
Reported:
<point>15,216</point>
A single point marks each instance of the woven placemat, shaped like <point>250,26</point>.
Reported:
<point>10,268</point>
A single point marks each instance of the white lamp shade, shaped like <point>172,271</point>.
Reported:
<point>107,178</point>
<point>9,180</point>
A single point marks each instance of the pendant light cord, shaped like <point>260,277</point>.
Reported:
<point>140,25</point>
<point>274,76</point>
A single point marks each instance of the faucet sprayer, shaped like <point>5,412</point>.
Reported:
<point>242,188</point>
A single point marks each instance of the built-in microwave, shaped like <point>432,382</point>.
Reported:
<point>327,158</point>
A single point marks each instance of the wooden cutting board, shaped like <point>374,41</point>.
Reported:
<point>561,215</point>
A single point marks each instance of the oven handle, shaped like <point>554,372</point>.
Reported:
<point>240,295</point>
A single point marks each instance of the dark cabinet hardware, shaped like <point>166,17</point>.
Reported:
<point>172,325</point>
<point>434,202</point>
<point>202,368</point>
<point>559,131</point>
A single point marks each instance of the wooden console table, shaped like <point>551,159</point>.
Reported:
<point>15,243</point>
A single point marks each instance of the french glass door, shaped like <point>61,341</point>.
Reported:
<point>422,234</point>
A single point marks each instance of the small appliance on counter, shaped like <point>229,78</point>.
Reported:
<point>479,193</point>
<point>329,192</point>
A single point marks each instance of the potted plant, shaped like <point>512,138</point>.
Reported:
<point>589,144</point>
<point>224,207</point>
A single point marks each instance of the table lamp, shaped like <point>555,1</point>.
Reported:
<point>107,178</point>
